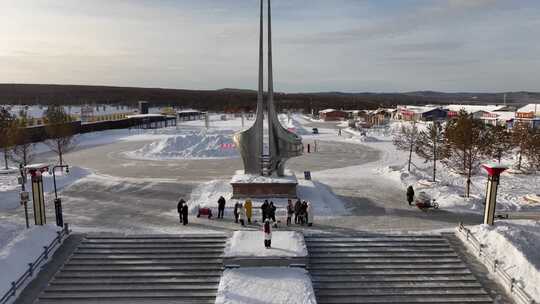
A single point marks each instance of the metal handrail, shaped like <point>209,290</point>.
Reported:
<point>512,284</point>
<point>43,257</point>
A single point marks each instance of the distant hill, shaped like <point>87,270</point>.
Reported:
<point>234,99</point>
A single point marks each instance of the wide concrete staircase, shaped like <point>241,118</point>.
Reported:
<point>390,269</point>
<point>140,269</point>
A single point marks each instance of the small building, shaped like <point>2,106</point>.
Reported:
<point>332,115</point>
<point>529,114</point>
<point>421,113</point>
<point>499,118</point>
<point>190,114</point>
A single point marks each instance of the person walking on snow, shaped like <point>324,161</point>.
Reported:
<point>221,207</point>
<point>410,195</point>
<point>242,214</point>
<point>267,229</point>
<point>290,212</point>
<point>179,207</point>
<point>185,214</point>
<point>249,209</point>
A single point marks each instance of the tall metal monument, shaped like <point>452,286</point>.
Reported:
<point>282,143</point>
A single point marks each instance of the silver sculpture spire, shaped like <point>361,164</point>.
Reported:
<point>283,144</point>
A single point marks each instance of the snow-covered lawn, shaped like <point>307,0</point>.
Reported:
<point>251,244</point>
<point>20,246</point>
<point>265,285</point>
<point>10,189</point>
<point>515,190</point>
<point>516,245</point>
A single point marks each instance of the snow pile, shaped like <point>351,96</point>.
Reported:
<point>265,285</point>
<point>188,146</point>
<point>207,194</point>
<point>516,245</point>
<point>323,200</point>
<point>242,178</point>
<point>250,244</point>
<point>21,250</point>
<point>360,136</point>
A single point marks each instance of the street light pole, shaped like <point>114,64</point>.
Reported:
<point>24,194</point>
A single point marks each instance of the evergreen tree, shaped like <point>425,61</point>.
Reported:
<point>406,140</point>
<point>465,146</point>
<point>521,138</point>
<point>500,142</point>
<point>429,146</point>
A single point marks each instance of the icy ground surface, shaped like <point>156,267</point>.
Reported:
<point>516,245</point>
<point>20,246</point>
<point>265,285</point>
<point>251,244</point>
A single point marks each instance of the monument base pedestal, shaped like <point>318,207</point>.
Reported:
<point>254,186</point>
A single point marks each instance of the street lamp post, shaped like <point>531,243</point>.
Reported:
<point>24,194</point>
<point>57,201</point>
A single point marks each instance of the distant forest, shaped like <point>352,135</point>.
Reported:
<point>237,99</point>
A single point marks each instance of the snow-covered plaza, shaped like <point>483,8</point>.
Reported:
<point>129,182</point>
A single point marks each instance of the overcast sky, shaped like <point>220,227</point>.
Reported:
<point>319,45</point>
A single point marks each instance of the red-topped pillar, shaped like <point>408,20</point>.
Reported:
<point>37,191</point>
<point>494,172</point>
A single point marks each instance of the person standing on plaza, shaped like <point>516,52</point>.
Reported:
<point>185,214</point>
<point>309,211</point>
<point>290,211</point>
<point>272,213</point>
<point>297,209</point>
<point>236,207</point>
<point>410,195</point>
<point>241,214</point>
<point>267,229</point>
<point>221,207</point>
<point>249,209</point>
<point>180,205</point>
<point>264,210</point>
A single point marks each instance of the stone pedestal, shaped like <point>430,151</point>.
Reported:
<point>255,186</point>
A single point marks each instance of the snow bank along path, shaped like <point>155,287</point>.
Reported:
<point>21,250</point>
<point>265,285</point>
<point>516,245</point>
<point>250,244</point>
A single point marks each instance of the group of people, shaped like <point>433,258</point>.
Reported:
<point>243,213</point>
<point>302,212</point>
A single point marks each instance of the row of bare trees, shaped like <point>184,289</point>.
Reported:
<point>19,148</point>
<point>463,143</point>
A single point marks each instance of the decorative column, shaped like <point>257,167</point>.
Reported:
<point>494,172</point>
<point>37,192</point>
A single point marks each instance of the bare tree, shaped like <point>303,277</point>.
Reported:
<point>406,140</point>
<point>533,153</point>
<point>22,151</point>
<point>60,131</point>
<point>430,143</point>
<point>465,146</point>
<point>6,131</point>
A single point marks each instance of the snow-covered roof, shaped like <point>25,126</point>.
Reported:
<point>473,108</point>
<point>327,110</point>
<point>189,111</point>
<point>418,109</point>
<point>504,115</point>
<point>532,107</point>
<point>144,115</point>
